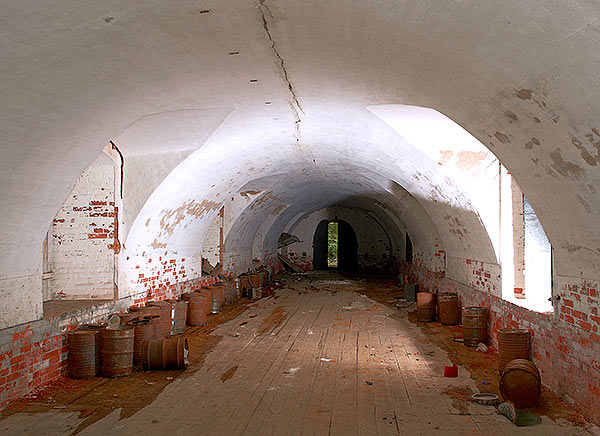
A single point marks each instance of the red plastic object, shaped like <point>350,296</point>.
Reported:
<point>451,371</point>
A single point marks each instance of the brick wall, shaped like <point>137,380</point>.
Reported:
<point>566,347</point>
<point>85,239</point>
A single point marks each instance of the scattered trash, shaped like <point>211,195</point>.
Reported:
<point>170,378</point>
<point>459,339</point>
<point>485,399</point>
<point>509,410</point>
<point>252,315</point>
<point>525,419</point>
<point>149,383</point>
<point>428,353</point>
<point>113,322</point>
<point>481,347</point>
<point>370,383</point>
<point>451,371</point>
<point>244,323</point>
<point>309,332</point>
<point>155,421</point>
<point>235,334</point>
<point>326,359</point>
<point>59,407</point>
<point>355,305</point>
<point>291,371</point>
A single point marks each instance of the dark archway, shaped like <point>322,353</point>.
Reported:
<point>347,247</point>
<point>320,246</point>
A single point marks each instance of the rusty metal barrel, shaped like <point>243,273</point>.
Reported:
<point>448,309</point>
<point>512,344</point>
<point>218,297</point>
<point>198,307</point>
<point>264,277</point>
<point>166,318</point>
<point>82,354</point>
<point>128,317</point>
<point>521,383</point>
<point>117,351</point>
<point>254,280</point>
<point>153,312</point>
<point>143,331</point>
<point>180,308</point>
<point>474,322</point>
<point>426,305</point>
<point>165,354</point>
<point>96,328</point>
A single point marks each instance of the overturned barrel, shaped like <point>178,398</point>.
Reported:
<point>166,354</point>
<point>512,344</point>
<point>82,354</point>
<point>474,322</point>
<point>448,309</point>
<point>117,351</point>
<point>521,383</point>
<point>426,304</point>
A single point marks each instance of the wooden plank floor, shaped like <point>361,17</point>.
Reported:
<point>316,359</point>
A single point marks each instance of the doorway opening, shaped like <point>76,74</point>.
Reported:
<point>332,245</point>
<point>335,246</point>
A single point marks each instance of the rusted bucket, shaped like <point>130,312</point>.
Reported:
<point>166,354</point>
<point>82,354</point>
<point>166,318</point>
<point>117,351</point>
<point>448,309</point>
<point>512,344</point>
<point>144,331</point>
<point>179,316</point>
<point>474,321</point>
<point>198,307</point>
<point>155,313</point>
<point>521,383</point>
<point>426,304</point>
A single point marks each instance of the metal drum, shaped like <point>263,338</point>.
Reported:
<point>198,307</point>
<point>448,309</point>
<point>117,351</point>
<point>254,280</point>
<point>180,308</point>
<point>521,383</point>
<point>82,354</point>
<point>144,331</point>
<point>154,313</point>
<point>474,321</point>
<point>512,344</point>
<point>96,328</point>
<point>264,277</point>
<point>166,318</point>
<point>126,318</point>
<point>426,305</point>
<point>166,354</point>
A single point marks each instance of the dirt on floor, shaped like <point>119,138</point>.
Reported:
<point>483,367</point>
<point>96,398</point>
